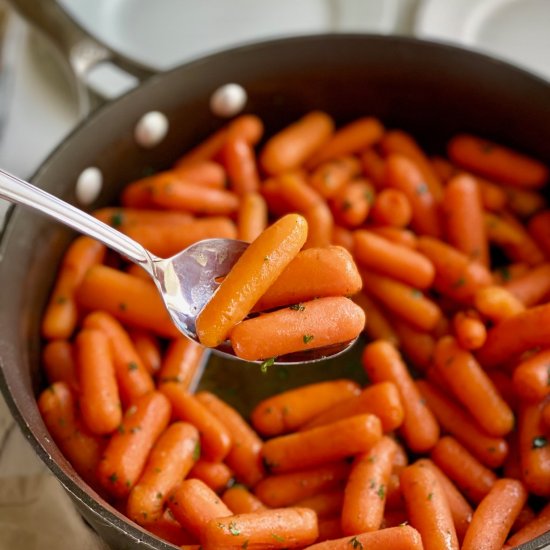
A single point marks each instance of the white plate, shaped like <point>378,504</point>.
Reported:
<point>514,30</point>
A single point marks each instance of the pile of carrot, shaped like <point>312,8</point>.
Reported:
<point>447,447</point>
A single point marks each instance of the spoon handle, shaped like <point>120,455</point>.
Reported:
<point>21,192</point>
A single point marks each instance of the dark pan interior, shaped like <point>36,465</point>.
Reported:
<point>428,89</point>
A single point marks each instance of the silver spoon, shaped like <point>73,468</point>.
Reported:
<point>185,281</point>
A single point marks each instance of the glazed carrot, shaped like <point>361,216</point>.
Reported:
<point>391,207</point>
<point>351,205</point>
<point>341,236</point>
<point>313,273</point>
<point>252,217</point>
<point>382,362</point>
<point>194,504</point>
<point>505,387</point>
<point>123,218</point>
<point>309,325</point>
<point>182,363</point>
<point>456,275</point>
<point>321,445</point>
<point>206,172</point>
<point>332,176</point>
<point>427,507</point>
<point>171,459</point>
<point>523,202</point>
<point>497,162</point>
<point>329,528</point>
<point>527,250</point>
<point>244,457</point>
<point>60,318</point>
<point>287,489</point>
<point>392,260</point>
<point>531,288</point>
<point>99,397</point>
<point>539,229</point>
<point>516,334</point>
<point>495,516</point>
<point>463,211</point>
<point>396,235</point>
<point>443,169</point>
<point>417,345</point>
<point>352,138</point>
<point>491,451</point>
<point>402,174</point>
<point>290,409</point>
<point>401,143</point>
<point>381,399</point>
<point>166,240</point>
<point>241,501</point>
<point>534,448</point>
<point>473,479</point>
<point>374,167</point>
<point>58,410</point>
<point>397,538</point>
<point>168,529</point>
<point>215,439</point>
<point>281,528</point>
<point>296,143</point>
<point>325,505</point>
<point>365,492</point>
<point>535,528</point>
<point>509,272</point>
<point>138,271</point>
<point>497,303</point>
<point>127,298</point>
<point>461,511</point>
<point>531,377</point>
<point>525,516</point>
<point>131,375</point>
<point>240,163</point>
<point>294,190</point>
<point>469,330</point>
<point>545,414</point>
<point>379,325</point>
<point>258,267</point>
<point>215,474</point>
<point>472,387</point>
<point>148,349</point>
<point>126,453</point>
<point>394,518</point>
<point>500,232</point>
<point>58,362</point>
<point>320,222</point>
<point>405,301</point>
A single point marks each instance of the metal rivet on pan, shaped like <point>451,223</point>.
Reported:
<point>88,185</point>
<point>151,129</point>
<point>228,100</point>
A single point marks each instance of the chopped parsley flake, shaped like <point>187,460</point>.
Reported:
<point>132,365</point>
<point>354,543</point>
<point>421,189</point>
<point>430,496</point>
<point>308,338</point>
<point>233,529</point>
<point>266,364</point>
<point>539,442</point>
<point>244,545</point>
<point>278,538</point>
<point>381,492</point>
<point>61,299</point>
<point>197,451</point>
<point>117,219</point>
<point>459,282</point>
<point>297,307</point>
<point>416,293</point>
<point>113,478</point>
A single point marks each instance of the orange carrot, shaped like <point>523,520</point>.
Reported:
<point>296,143</point>
<point>320,222</point>
<point>58,362</point>
<point>374,167</point>
<point>495,516</point>
<point>379,325</point>
<point>325,505</point>
<point>252,216</point>
<point>169,530</point>
<point>531,377</point>
<point>329,528</point>
<point>294,190</point>
<point>382,362</point>
<point>497,303</point>
<point>531,288</point>
<point>148,349</point>
<point>331,177</point>
<point>321,445</point>
<point>241,501</point>
<point>309,325</point>
<point>526,250</point>
<point>539,229</point>
<point>391,207</point>
<point>182,363</point>
<point>289,410</point>
<point>535,528</point>
<point>206,172</point>
<point>259,266</point>
<point>124,218</point>
<point>469,329</point>
<point>170,460</point>
<point>443,168</point>
<point>497,162</point>
<point>217,475</point>
<point>240,163</point>
<point>396,235</point>
<point>343,237</point>
<point>523,202</point>
<point>351,205</point>
<point>417,345</point>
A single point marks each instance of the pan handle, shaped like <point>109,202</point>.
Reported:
<point>81,50</point>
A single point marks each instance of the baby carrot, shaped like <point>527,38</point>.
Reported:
<point>289,488</point>
<point>427,507</point>
<point>182,363</point>
<point>330,177</point>
<point>124,218</point>
<point>127,298</point>
<point>442,168</point>
<point>351,205</point>
<point>325,505</point>
<point>365,492</point>
<point>526,250</point>
<point>391,207</point>
<point>474,479</point>
<point>58,362</point>
<point>296,143</point>
<point>492,451</point>
<point>472,387</point>
<point>244,457</point>
<point>379,326</point>
<point>217,475</point>
<point>296,193</point>
<point>531,288</point>
<point>215,439</point>
<point>99,396</point>
<point>170,460</point>
<point>403,537</point>
<point>417,345</point>
<point>240,163</point>
<point>497,303</point>
<point>352,138</point>
<point>126,453</point>
<point>194,504</point>
<point>329,528</point>
<point>313,273</point>
<point>289,410</point>
<point>148,349</point>
<point>539,229</point>
<point>396,235</point>
<point>169,530</point>
<point>532,376</point>
<point>382,362</point>
<point>320,222</point>
<point>274,529</point>
<point>495,516</point>
<point>132,377</point>
<point>241,501</point>
<point>374,167</point>
<point>60,317</point>
<point>535,528</point>
<point>341,236</point>
<point>207,172</point>
<point>392,260</point>
<point>309,325</point>
<point>321,445</point>
<point>258,267</point>
<point>469,329</point>
<point>252,217</point>
<point>497,162</point>
<point>523,202</point>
